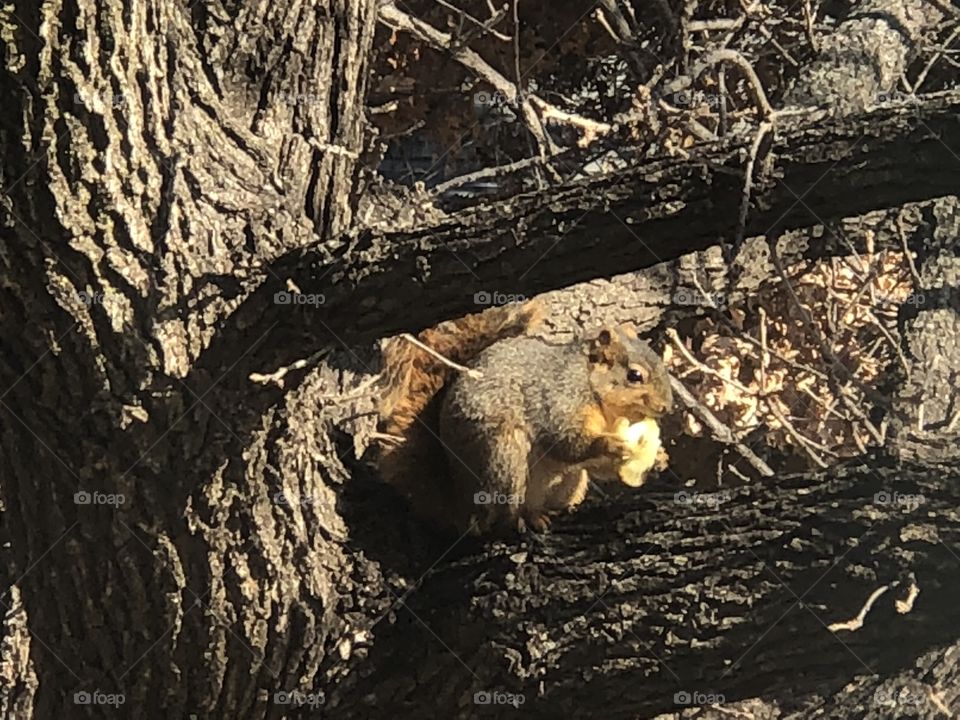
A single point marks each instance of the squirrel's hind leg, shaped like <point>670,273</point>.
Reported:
<point>491,470</point>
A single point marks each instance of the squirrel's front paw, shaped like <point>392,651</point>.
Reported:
<point>615,446</point>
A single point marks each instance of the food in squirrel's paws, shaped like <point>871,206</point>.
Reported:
<point>643,441</point>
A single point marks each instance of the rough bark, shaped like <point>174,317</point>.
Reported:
<point>156,155</point>
<point>160,159</point>
<point>860,62</point>
<point>643,596</point>
<point>378,283</point>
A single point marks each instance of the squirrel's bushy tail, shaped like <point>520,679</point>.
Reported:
<point>415,462</point>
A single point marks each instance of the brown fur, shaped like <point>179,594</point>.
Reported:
<point>409,409</point>
<point>530,430</point>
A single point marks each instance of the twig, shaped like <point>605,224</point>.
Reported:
<point>591,128</point>
<point>390,15</point>
<point>720,431</point>
<point>735,58</point>
<point>936,57</point>
<point>764,355</point>
<point>386,437</point>
<point>602,19</point>
<point>624,32</point>
<point>773,41</point>
<point>787,361</point>
<point>803,442</point>
<point>678,343</point>
<point>893,343</point>
<point>449,363</point>
<point>762,131</point>
<point>485,173</point>
<point>485,27</point>
<point>917,280</point>
<point>808,27</point>
<point>829,356</point>
<point>857,622</point>
<point>715,24</point>
<point>333,149</point>
<point>277,376</point>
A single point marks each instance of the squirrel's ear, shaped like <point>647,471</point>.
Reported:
<point>603,348</point>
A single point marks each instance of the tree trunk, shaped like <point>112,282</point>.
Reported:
<point>157,156</point>
<point>180,541</point>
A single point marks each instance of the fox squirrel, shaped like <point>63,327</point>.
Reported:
<point>515,438</point>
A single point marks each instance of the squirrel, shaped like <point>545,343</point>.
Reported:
<point>515,438</point>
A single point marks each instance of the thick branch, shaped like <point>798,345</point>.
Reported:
<point>379,283</point>
<point>741,593</point>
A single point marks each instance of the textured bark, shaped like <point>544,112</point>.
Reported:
<point>379,283</point>
<point>635,599</point>
<point>157,154</point>
<point>859,62</point>
<point>161,159</point>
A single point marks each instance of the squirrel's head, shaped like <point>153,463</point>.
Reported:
<point>627,376</point>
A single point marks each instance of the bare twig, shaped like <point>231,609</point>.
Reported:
<point>495,171</point>
<point>276,377</point>
<point>857,622</point>
<point>732,56</point>
<point>893,344</point>
<point>449,363</point>
<point>762,131</point>
<point>917,281</point>
<point>805,443</point>
<point>390,15</point>
<point>829,356</point>
<point>484,26</point>
<point>935,58</point>
<point>602,19</point>
<point>808,27</point>
<point>591,128</point>
<point>678,343</point>
<point>715,24</point>
<point>720,431</point>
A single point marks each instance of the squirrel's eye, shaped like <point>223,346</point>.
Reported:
<point>635,375</point>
